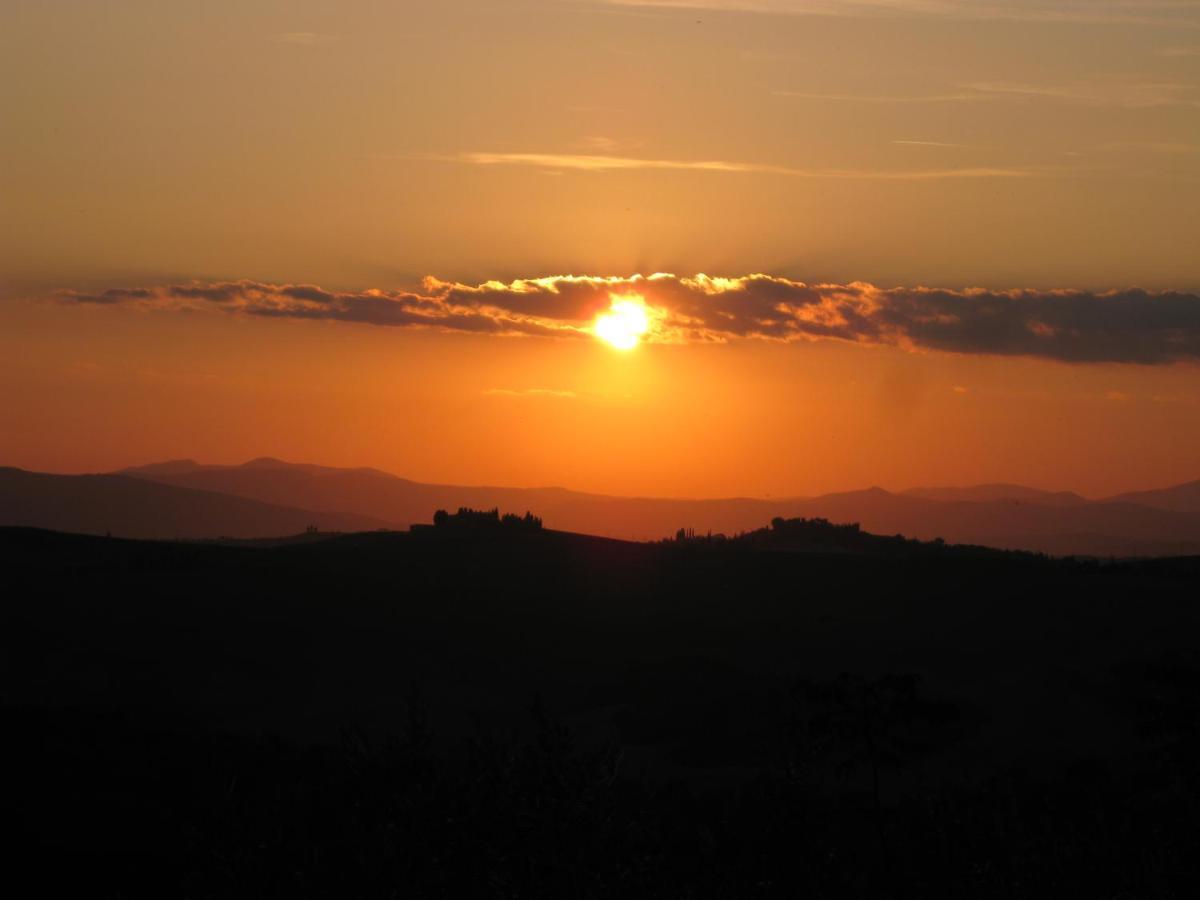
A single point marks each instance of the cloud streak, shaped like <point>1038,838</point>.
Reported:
<point>1179,13</point>
<point>935,144</point>
<point>596,163</point>
<point>303,38</point>
<point>1124,95</point>
<point>1127,326</point>
<point>530,392</point>
<point>1133,95</point>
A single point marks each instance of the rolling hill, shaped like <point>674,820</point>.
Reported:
<point>1180,498</point>
<point>323,720</point>
<point>1004,516</point>
<point>269,498</point>
<point>139,508</point>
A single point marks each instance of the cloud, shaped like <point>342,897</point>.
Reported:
<point>1126,326</point>
<point>303,38</point>
<point>936,144</point>
<point>1126,95</point>
<point>530,392</point>
<point>306,301</point>
<point>1179,13</point>
<point>1132,95</point>
<point>596,163</point>
<point>1174,148</point>
<point>961,96</point>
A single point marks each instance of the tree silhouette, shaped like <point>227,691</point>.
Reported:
<point>467,518</point>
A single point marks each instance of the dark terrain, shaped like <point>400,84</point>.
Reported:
<point>805,711</point>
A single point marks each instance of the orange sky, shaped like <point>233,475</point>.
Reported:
<point>361,146</point>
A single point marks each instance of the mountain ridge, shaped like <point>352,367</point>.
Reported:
<point>269,497</point>
<point>143,508</point>
<point>990,514</point>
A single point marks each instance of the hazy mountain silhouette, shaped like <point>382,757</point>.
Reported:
<point>363,491</point>
<point>986,492</point>
<point>137,507</point>
<point>1005,516</point>
<point>1099,528</point>
<point>1180,498</point>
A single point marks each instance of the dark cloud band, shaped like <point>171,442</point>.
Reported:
<point>1131,326</point>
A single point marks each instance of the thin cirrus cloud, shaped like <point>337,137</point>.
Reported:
<point>302,38</point>
<point>952,97</point>
<point>531,392</point>
<point>602,163</point>
<point>1185,13</point>
<point>1126,95</point>
<point>1133,95</point>
<point>935,144</point>
<point>1125,326</point>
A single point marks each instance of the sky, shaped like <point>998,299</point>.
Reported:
<point>892,243</point>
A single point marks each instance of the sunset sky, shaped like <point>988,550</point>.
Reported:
<point>942,242</point>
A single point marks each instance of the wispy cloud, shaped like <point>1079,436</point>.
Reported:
<point>598,110</point>
<point>1129,95</point>
<point>531,392</point>
<point>934,144</point>
<point>950,97</point>
<point>598,163</point>
<point>303,38</point>
<point>1171,148</point>
<point>1181,13</point>
<point>1128,326</point>
<point>1179,51</point>
<point>599,142</point>
<point>1132,95</point>
<point>604,144</point>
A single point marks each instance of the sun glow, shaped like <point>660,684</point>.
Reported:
<point>622,325</point>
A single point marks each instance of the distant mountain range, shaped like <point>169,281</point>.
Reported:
<point>141,508</point>
<point>269,497</point>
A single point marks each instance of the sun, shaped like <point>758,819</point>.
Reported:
<point>622,325</point>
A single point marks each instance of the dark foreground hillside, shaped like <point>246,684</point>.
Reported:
<point>532,714</point>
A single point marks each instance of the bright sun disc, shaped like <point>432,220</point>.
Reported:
<point>624,323</point>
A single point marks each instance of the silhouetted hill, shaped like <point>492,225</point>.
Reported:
<point>1103,529</point>
<point>822,536</point>
<point>170,467</point>
<point>988,492</point>
<point>367,492</point>
<point>1004,516</point>
<point>137,507</point>
<point>1181,498</point>
<point>304,637</point>
<point>490,711</point>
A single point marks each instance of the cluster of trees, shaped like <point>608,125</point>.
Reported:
<point>821,534</point>
<point>485,518</point>
<point>812,528</point>
<point>688,535</point>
